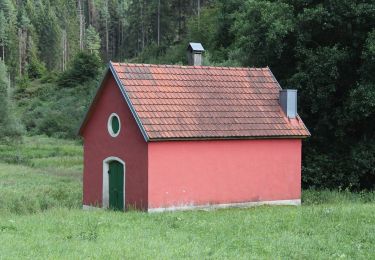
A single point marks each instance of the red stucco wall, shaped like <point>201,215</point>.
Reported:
<point>129,146</point>
<point>223,171</point>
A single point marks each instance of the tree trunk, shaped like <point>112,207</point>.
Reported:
<point>81,24</point>
<point>65,50</point>
<point>93,15</point>
<point>20,51</point>
<point>106,30</point>
<point>142,26</point>
<point>9,82</point>
<point>179,20</point>
<point>199,12</point>
<point>89,11</point>
<point>158,22</point>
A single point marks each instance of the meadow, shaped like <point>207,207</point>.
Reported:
<point>41,217</point>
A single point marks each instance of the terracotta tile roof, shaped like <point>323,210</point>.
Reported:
<point>177,102</point>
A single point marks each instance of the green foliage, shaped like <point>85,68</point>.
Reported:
<point>7,6</point>
<point>154,54</point>
<point>9,127</point>
<point>48,109</point>
<point>49,33</point>
<point>3,93</point>
<point>331,96</point>
<point>3,30</point>
<point>261,29</point>
<point>92,40</point>
<point>62,117</point>
<point>361,106</point>
<point>84,67</point>
<point>204,28</point>
<point>57,110</point>
<point>35,68</point>
<point>336,197</point>
<point>325,49</point>
<point>363,161</point>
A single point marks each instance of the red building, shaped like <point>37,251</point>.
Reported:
<point>161,137</point>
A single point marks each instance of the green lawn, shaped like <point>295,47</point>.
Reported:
<point>40,217</point>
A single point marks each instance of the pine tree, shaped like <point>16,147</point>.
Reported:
<point>7,7</point>
<point>81,24</point>
<point>3,96</point>
<point>92,40</point>
<point>9,129</point>
<point>23,30</point>
<point>3,34</point>
<point>106,20</point>
<point>49,32</point>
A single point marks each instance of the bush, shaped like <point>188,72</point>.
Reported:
<point>10,129</point>
<point>85,67</point>
<point>55,104</point>
<point>58,111</point>
<point>35,68</point>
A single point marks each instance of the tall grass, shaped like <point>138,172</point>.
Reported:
<point>40,217</point>
<point>336,197</point>
<point>317,232</point>
<point>40,173</point>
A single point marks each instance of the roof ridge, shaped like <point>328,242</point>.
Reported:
<point>186,66</point>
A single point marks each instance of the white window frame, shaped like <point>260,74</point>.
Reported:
<point>109,125</point>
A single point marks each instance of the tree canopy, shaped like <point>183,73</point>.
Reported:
<point>325,49</point>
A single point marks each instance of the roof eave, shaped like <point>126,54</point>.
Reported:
<point>128,101</point>
<point>299,118</point>
<point>125,95</point>
<point>227,138</point>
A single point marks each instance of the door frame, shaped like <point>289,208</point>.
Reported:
<point>105,198</point>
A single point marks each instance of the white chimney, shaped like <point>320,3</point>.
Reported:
<point>194,53</point>
<point>288,102</point>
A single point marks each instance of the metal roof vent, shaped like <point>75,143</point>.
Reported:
<point>288,102</point>
<point>194,53</point>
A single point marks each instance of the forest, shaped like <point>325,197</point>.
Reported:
<point>53,55</point>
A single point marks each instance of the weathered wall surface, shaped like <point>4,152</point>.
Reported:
<point>129,146</point>
<point>223,171</point>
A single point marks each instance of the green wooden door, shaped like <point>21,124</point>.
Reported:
<point>116,185</point>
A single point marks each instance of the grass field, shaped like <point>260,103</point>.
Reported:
<point>40,217</point>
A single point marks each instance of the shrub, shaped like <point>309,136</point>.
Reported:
<point>84,67</point>
<point>35,68</point>
<point>58,111</point>
<point>10,129</point>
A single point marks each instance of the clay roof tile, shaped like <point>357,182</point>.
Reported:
<point>177,102</point>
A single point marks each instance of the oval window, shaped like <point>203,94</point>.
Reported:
<point>114,125</point>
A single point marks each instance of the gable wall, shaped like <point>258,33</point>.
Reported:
<point>193,173</point>
<point>129,146</point>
